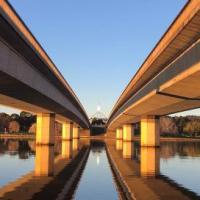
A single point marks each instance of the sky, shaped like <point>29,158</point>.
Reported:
<point>98,45</point>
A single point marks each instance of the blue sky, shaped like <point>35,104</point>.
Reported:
<point>98,44</point>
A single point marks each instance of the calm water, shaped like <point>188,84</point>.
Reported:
<point>16,158</point>
<point>97,180</point>
<point>180,161</point>
<point>174,163</point>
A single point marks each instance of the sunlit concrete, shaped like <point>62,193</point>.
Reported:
<point>150,131</point>
<point>66,149</point>
<point>119,133</point>
<point>128,132</point>
<point>44,160</point>
<point>149,161</point>
<point>119,144</point>
<point>76,132</point>
<point>67,130</point>
<point>128,149</point>
<point>45,128</point>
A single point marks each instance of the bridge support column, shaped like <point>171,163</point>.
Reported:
<point>67,130</point>
<point>150,131</point>
<point>119,133</point>
<point>45,128</point>
<point>128,132</point>
<point>76,132</point>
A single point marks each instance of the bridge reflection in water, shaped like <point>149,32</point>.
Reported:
<point>63,170</point>
<point>149,161</point>
<point>54,168</point>
<point>44,161</point>
<point>141,169</point>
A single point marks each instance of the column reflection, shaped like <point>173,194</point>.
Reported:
<point>149,161</point>
<point>44,160</point>
<point>128,149</point>
<point>119,144</point>
<point>66,149</point>
<point>75,144</point>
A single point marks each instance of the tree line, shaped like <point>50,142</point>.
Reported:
<point>172,126</point>
<point>181,126</point>
<point>16,122</point>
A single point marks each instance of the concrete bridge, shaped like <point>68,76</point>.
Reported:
<point>167,82</point>
<point>30,81</point>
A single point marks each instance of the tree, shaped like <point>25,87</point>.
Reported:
<point>192,127</point>
<point>14,127</point>
<point>181,122</point>
<point>168,125</point>
<point>26,120</point>
<point>32,128</point>
<point>14,117</point>
<point>4,122</point>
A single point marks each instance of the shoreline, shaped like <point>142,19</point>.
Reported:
<point>102,137</point>
<point>17,136</point>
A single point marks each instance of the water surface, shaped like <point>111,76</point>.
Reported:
<point>16,158</point>
<point>97,181</point>
<point>180,161</point>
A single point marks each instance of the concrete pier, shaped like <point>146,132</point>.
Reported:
<point>67,131</point>
<point>76,132</point>
<point>45,128</point>
<point>150,131</point>
<point>119,133</point>
<point>128,132</point>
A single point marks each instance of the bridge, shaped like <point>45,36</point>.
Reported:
<point>167,82</point>
<point>29,80</point>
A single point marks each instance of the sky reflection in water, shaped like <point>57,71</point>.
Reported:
<point>180,161</point>
<point>16,158</point>
<point>97,181</point>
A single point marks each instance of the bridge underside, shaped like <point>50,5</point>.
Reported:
<point>175,89</point>
<point>14,93</point>
<point>168,80</point>
<point>29,80</point>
